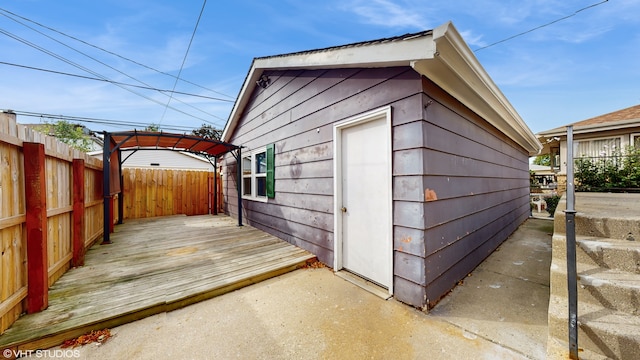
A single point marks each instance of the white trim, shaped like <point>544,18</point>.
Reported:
<point>384,112</point>
<point>252,154</point>
<point>442,56</point>
<point>593,128</point>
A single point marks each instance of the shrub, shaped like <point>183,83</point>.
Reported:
<point>552,203</point>
<point>603,174</point>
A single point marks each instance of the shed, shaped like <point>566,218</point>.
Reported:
<point>398,159</point>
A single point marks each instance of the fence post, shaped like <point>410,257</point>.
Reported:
<point>78,213</point>
<point>36,224</point>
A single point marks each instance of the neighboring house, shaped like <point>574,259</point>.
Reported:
<point>543,177</point>
<point>162,159</point>
<point>396,159</point>
<point>599,136</point>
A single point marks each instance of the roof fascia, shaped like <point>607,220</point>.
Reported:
<point>443,57</point>
<point>593,128</point>
<point>386,54</point>
<point>457,71</point>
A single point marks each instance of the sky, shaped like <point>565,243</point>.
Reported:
<point>560,72</point>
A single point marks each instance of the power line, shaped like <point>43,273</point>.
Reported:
<point>184,59</point>
<point>113,53</point>
<point>115,123</point>
<point>61,58</point>
<point>107,65</point>
<point>541,26</point>
<point>111,81</point>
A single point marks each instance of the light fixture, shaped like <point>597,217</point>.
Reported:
<point>264,81</point>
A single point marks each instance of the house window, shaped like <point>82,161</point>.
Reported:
<point>257,174</point>
<point>602,147</point>
<point>635,140</point>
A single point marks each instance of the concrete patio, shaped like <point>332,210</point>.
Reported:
<point>498,312</point>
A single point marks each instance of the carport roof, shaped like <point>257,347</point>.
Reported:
<point>153,140</point>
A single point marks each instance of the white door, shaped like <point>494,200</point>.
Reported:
<point>365,204</point>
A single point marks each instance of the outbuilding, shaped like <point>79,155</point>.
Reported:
<point>398,160</point>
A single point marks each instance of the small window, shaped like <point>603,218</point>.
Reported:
<point>255,174</point>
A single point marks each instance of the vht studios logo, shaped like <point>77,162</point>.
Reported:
<point>41,354</point>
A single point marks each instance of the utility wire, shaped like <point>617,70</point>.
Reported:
<point>115,123</point>
<point>26,42</point>
<point>102,63</point>
<point>113,53</point>
<point>541,26</point>
<point>184,59</point>
<point>111,81</point>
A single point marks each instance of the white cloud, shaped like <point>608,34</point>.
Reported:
<point>472,39</point>
<point>389,14</point>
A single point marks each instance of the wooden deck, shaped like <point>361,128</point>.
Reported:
<point>152,266</point>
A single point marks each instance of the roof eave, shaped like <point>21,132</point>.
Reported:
<point>456,70</point>
<point>442,56</point>
<point>586,129</point>
<point>387,54</point>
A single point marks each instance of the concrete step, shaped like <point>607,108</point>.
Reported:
<point>559,350</point>
<point>611,253</point>
<point>610,288</point>
<point>611,333</point>
<point>602,215</point>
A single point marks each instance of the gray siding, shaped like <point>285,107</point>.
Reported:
<point>297,112</point>
<point>460,187</point>
<point>480,180</point>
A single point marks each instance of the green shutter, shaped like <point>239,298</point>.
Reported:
<point>271,165</point>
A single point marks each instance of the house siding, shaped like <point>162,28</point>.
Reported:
<point>479,189</point>
<point>460,187</point>
<point>165,159</point>
<point>297,112</point>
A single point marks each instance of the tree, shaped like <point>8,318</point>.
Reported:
<point>544,160</point>
<point>74,135</point>
<point>208,132</point>
<point>152,127</point>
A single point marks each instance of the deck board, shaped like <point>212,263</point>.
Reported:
<point>152,266</point>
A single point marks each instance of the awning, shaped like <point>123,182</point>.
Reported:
<point>153,140</point>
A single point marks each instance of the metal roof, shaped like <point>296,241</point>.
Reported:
<point>152,140</point>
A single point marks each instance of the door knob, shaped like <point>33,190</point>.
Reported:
<point>344,209</point>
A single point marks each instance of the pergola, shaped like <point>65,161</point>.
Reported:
<point>115,142</point>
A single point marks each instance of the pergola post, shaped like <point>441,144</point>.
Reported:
<point>215,185</point>
<point>121,194</point>
<point>106,188</point>
<point>239,182</point>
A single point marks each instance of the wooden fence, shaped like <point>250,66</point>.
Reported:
<point>163,192</point>
<point>51,205</point>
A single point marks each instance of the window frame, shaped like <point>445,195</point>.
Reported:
<point>634,136</point>
<point>578,141</point>
<point>253,175</point>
